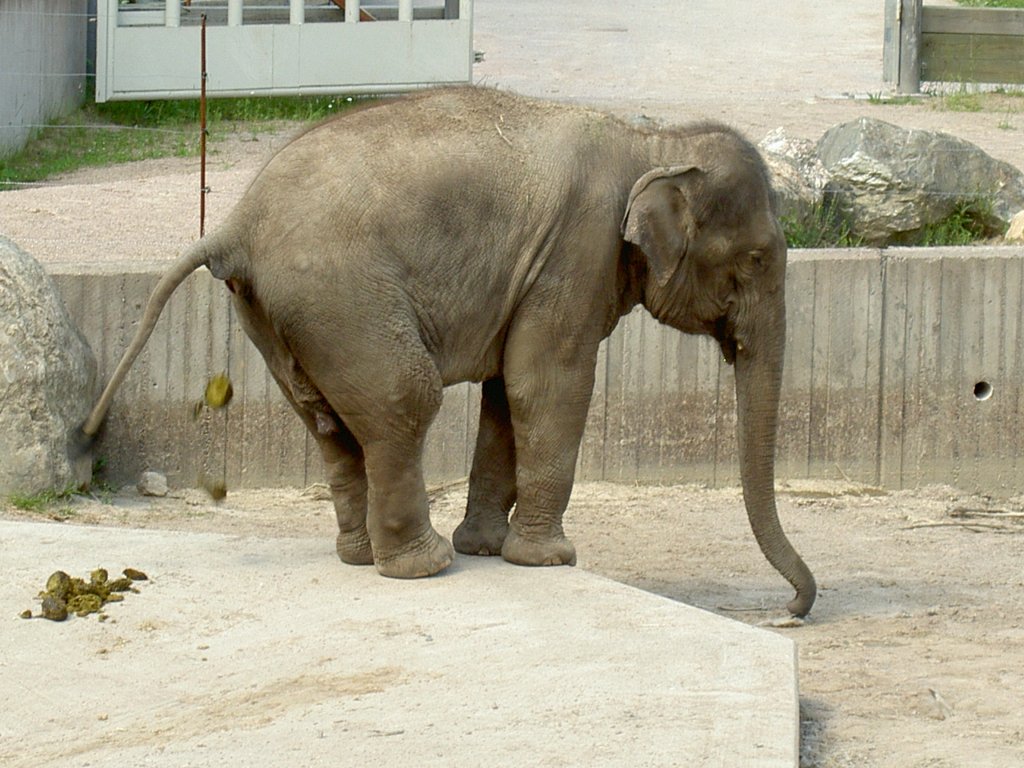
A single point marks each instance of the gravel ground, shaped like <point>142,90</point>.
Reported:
<point>914,654</point>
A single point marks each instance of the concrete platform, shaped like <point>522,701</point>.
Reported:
<point>245,652</point>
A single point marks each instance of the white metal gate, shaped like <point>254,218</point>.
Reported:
<point>150,49</point>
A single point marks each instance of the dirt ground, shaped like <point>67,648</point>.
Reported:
<point>913,655</point>
<point>148,211</point>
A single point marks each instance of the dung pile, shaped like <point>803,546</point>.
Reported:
<point>66,594</point>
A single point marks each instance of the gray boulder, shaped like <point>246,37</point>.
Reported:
<point>798,176</point>
<point>890,182</point>
<point>47,377</point>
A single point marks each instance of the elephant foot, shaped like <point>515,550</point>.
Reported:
<point>424,556</point>
<point>556,550</point>
<point>475,536</point>
<point>354,547</point>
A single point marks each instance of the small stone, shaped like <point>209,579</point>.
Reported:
<point>1015,234</point>
<point>135,575</point>
<point>152,484</point>
<point>26,614</point>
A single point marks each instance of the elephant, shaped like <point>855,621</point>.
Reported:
<point>472,234</point>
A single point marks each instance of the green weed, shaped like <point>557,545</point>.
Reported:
<point>118,132</point>
<point>879,98</point>
<point>992,3</point>
<point>40,501</point>
<point>963,101</point>
<point>970,221</point>
<point>825,228</point>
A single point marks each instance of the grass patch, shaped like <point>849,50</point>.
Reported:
<point>40,501</point>
<point>963,101</point>
<point>824,228</point>
<point>968,98</point>
<point>120,132</point>
<point>970,222</point>
<point>991,3</point>
<point>86,139</point>
<point>881,99</point>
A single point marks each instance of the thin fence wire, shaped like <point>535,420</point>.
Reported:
<point>104,127</point>
<point>186,131</point>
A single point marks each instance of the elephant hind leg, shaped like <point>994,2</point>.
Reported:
<point>492,480</point>
<point>346,475</point>
<point>388,401</point>
<point>344,463</point>
<point>342,455</point>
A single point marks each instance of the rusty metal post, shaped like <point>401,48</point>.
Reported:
<point>203,189</point>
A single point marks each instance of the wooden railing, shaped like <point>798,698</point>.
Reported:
<point>951,44</point>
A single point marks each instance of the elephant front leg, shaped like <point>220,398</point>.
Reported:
<point>492,480</point>
<point>548,404</point>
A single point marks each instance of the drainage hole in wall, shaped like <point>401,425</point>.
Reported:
<point>982,391</point>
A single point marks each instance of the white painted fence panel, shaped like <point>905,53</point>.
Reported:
<point>152,50</point>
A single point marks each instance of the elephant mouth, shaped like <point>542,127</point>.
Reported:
<point>724,332</point>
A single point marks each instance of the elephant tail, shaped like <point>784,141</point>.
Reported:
<point>200,254</point>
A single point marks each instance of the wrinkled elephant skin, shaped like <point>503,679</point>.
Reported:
<point>472,235</point>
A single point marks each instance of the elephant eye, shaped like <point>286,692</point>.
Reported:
<point>754,260</point>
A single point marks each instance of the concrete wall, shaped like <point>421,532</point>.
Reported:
<point>885,351</point>
<point>42,65</point>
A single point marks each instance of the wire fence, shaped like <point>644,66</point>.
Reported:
<point>172,211</point>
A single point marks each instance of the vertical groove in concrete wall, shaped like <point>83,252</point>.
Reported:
<point>884,352</point>
<point>883,348</point>
<point>42,65</point>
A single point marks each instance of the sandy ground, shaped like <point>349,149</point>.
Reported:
<point>149,210</point>
<point>912,657</point>
<point>914,654</point>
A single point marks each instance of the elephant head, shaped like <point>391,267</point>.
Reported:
<point>715,263</point>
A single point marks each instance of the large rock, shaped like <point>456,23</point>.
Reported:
<point>890,182</point>
<point>798,176</point>
<point>47,376</point>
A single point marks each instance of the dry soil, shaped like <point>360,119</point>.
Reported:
<point>914,654</point>
<point>912,657</point>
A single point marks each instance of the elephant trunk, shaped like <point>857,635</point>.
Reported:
<point>758,383</point>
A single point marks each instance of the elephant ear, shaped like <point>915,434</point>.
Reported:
<point>659,219</point>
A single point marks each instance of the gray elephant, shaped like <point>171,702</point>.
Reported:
<point>467,234</point>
